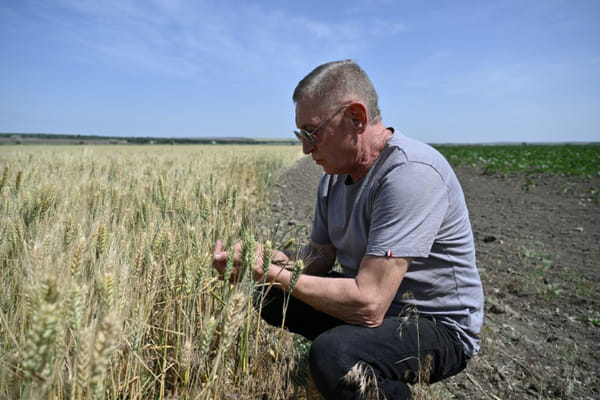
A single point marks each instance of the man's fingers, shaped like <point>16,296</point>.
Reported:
<point>219,255</point>
<point>237,248</point>
<point>237,252</point>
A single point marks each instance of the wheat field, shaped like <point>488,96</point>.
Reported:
<point>107,289</point>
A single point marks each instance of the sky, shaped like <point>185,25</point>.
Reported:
<point>448,71</point>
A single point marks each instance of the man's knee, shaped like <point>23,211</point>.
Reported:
<point>325,350</point>
<point>331,358</point>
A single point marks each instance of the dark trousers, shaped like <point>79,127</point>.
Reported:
<point>402,350</point>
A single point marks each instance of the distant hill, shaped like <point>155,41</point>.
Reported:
<point>47,138</point>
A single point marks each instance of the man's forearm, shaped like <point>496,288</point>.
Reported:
<point>362,300</point>
<point>338,297</point>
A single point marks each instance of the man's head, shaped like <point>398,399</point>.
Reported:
<point>337,82</point>
<point>338,118</point>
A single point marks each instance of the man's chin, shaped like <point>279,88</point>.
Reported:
<point>324,167</point>
<point>328,171</point>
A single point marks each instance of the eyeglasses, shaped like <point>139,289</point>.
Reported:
<point>310,136</point>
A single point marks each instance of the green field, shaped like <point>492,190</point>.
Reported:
<point>531,159</point>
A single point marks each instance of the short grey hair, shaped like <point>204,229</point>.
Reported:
<point>332,81</point>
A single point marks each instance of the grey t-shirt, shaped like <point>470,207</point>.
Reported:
<point>410,204</point>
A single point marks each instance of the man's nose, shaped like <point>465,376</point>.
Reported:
<point>307,147</point>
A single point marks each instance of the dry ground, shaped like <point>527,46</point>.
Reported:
<point>538,244</point>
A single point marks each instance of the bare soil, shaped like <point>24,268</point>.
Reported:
<point>538,251</point>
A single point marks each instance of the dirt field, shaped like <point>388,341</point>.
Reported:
<point>538,248</point>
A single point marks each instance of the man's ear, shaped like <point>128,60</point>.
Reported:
<point>359,116</point>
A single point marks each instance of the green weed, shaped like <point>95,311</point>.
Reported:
<point>594,321</point>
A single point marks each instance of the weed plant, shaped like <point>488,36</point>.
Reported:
<point>106,278</point>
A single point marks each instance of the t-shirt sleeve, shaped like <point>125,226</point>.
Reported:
<point>407,211</point>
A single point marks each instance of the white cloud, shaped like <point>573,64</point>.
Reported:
<point>185,38</point>
<point>381,27</point>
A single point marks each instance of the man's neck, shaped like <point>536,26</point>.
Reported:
<point>373,141</point>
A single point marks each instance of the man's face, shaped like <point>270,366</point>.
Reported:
<point>332,147</point>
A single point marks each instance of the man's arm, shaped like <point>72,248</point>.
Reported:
<point>362,300</point>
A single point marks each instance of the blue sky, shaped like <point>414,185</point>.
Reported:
<point>446,71</point>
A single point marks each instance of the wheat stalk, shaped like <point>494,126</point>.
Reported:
<point>101,240</point>
<point>207,332</point>
<point>4,178</point>
<point>76,259</point>
<point>40,340</point>
<point>83,368</point>
<point>104,344</point>
<point>18,180</point>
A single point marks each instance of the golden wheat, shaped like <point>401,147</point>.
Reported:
<point>108,289</point>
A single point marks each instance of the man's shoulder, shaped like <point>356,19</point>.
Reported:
<point>413,149</point>
<point>405,149</point>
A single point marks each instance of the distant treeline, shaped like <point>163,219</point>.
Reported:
<point>47,138</point>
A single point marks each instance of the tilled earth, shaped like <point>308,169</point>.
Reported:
<point>538,251</point>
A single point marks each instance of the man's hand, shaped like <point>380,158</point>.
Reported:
<point>220,258</point>
<point>282,259</point>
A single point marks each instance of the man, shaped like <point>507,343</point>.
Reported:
<point>408,306</point>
